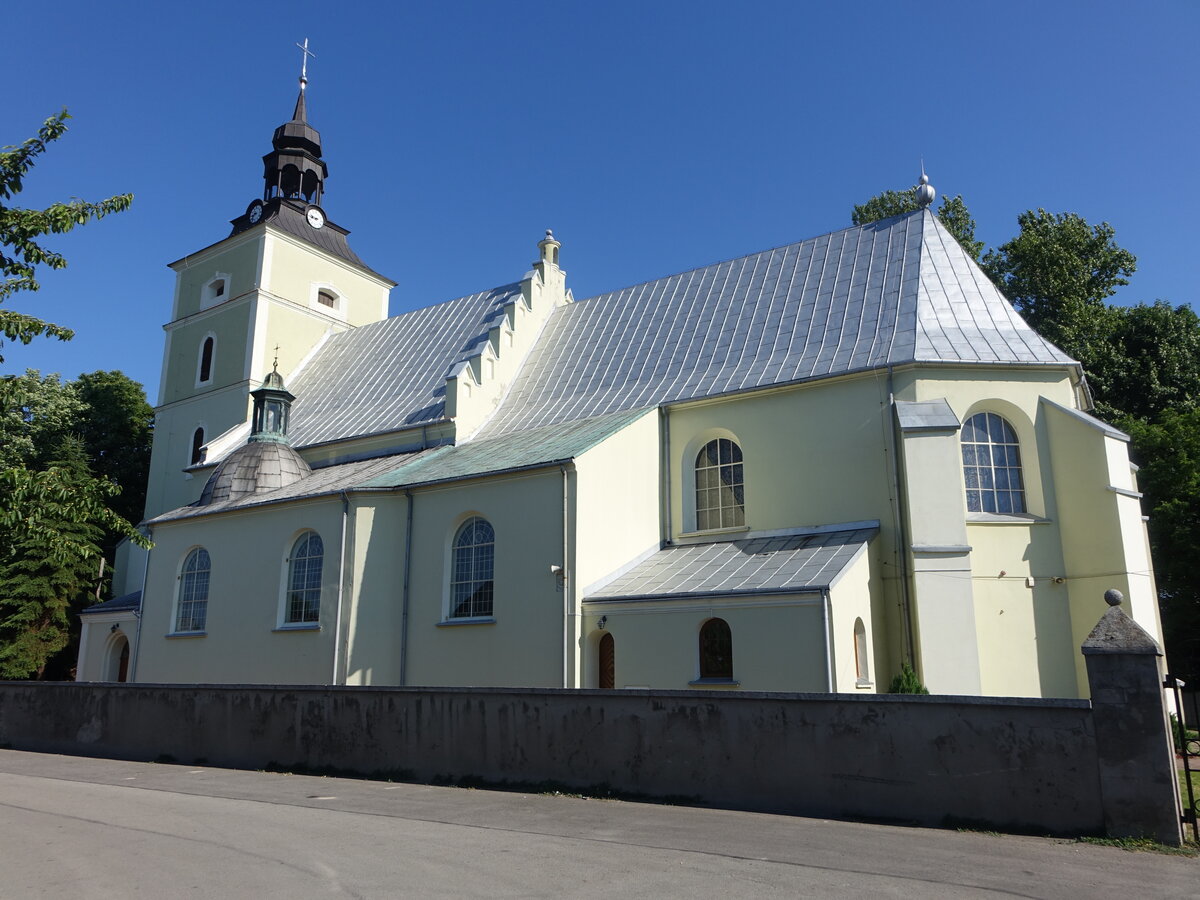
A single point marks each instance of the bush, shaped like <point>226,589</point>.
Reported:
<point>1192,734</point>
<point>907,682</point>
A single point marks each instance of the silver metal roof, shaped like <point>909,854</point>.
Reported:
<point>390,374</point>
<point>892,292</point>
<point>926,415</point>
<point>322,482</point>
<point>897,291</point>
<point>525,449</point>
<point>797,563</point>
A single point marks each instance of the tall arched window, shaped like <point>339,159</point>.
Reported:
<point>720,488</point>
<point>474,567</point>
<point>206,359</point>
<point>716,650</point>
<point>992,465</point>
<point>304,579</point>
<point>197,446</point>
<point>191,611</point>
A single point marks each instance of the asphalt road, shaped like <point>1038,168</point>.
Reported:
<point>87,828</point>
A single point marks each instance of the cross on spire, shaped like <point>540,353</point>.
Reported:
<point>304,62</point>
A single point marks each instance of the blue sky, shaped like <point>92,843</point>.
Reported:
<point>653,137</point>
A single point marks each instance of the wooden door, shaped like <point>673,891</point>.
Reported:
<point>607,663</point>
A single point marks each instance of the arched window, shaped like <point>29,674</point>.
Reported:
<point>214,291</point>
<point>992,465</point>
<point>192,609</point>
<point>304,579</point>
<point>716,650</point>
<point>862,663</point>
<point>474,566</point>
<point>720,489</point>
<point>206,359</point>
<point>198,446</point>
<point>327,298</point>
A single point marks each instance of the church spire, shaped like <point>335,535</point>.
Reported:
<point>294,169</point>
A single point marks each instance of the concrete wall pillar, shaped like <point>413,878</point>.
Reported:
<point>1138,785</point>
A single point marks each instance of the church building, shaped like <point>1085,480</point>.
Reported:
<point>792,471</point>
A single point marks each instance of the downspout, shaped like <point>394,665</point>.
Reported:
<point>664,421</point>
<point>566,581</point>
<point>900,517</point>
<point>408,496</point>
<point>826,617</point>
<point>337,620</point>
<point>137,633</point>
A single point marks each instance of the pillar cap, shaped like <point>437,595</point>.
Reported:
<point>1117,633</point>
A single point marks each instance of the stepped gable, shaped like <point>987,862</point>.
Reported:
<point>391,374</point>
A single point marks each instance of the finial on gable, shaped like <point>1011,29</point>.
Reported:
<point>549,247</point>
<point>925,191</point>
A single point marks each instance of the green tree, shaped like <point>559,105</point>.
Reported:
<point>1168,453</point>
<point>50,524</point>
<point>57,518</point>
<point>36,412</point>
<point>1058,272</point>
<point>20,253</point>
<point>116,424</point>
<point>953,213</point>
<point>1150,364</point>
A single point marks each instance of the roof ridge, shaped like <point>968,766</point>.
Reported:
<point>734,259</point>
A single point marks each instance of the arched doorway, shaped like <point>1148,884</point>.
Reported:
<point>606,663</point>
<point>117,668</point>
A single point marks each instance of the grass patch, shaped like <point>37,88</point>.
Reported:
<point>1144,845</point>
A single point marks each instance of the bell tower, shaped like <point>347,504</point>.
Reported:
<point>286,277</point>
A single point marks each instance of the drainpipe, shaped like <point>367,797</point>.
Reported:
<point>826,617</point>
<point>899,517</point>
<point>137,638</point>
<point>664,420</point>
<point>337,621</point>
<point>566,581</point>
<point>404,595</point>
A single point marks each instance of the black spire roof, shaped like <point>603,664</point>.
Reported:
<point>294,168</point>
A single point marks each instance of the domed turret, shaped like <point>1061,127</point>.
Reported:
<point>267,462</point>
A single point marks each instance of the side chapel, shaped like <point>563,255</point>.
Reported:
<point>787,472</point>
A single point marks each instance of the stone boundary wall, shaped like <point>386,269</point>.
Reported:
<point>1007,764</point>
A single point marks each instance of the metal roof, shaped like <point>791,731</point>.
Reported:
<point>926,415</point>
<point>526,449</point>
<point>892,292</point>
<point>896,291</point>
<point>789,564</point>
<point>1090,421</point>
<point>390,374</point>
<point>117,604</point>
<point>322,482</point>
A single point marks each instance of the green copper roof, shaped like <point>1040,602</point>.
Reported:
<point>522,450</point>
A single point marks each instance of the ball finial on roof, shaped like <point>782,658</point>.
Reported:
<point>1113,597</point>
<point>925,192</point>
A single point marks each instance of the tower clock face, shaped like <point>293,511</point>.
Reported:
<point>255,212</point>
<point>315,217</point>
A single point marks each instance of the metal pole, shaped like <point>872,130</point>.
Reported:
<point>1189,814</point>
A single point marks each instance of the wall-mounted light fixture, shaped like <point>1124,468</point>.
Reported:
<point>603,621</point>
<point>116,627</point>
